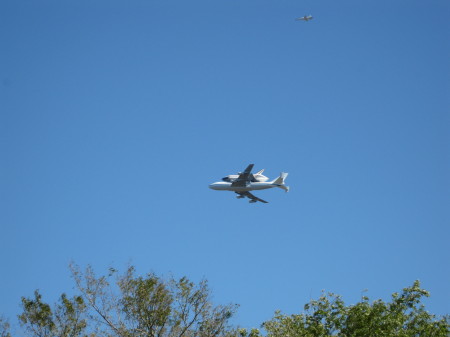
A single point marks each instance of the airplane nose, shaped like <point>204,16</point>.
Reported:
<point>214,186</point>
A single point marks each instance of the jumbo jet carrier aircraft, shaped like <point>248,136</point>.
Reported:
<point>244,182</point>
<point>305,18</point>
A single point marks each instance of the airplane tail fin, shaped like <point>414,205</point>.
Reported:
<point>280,181</point>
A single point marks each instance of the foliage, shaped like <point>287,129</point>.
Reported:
<point>4,328</point>
<point>404,316</point>
<point>150,306</point>
<point>65,320</point>
<point>128,305</point>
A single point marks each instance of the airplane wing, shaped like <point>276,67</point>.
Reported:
<point>251,197</point>
<point>244,177</point>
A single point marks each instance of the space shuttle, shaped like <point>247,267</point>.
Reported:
<point>256,177</point>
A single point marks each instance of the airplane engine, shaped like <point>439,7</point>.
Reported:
<point>252,201</point>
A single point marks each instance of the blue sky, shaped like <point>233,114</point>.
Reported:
<point>115,117</point>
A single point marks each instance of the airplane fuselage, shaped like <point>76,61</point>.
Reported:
<point>253,186</point>
<point>305,18</point>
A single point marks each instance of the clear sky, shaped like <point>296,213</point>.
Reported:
<point>115,116</point>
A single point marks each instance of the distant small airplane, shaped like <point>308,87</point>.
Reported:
<point>244,182</point>
<point>304,18</point>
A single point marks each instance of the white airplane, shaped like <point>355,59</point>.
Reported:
<point>305,18</point>
<point>244,182</point>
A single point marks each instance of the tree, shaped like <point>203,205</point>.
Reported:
<point>4,328</point>
<point>404,316</point>
<point>65,320</point>
<point>150,306</point>
<point>129,305</point>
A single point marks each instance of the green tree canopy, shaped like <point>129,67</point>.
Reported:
<point>403,316</point>
<point>130,305</point>
<point>134,306</point>
<point>4,327</point>
<point>66,319</point>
